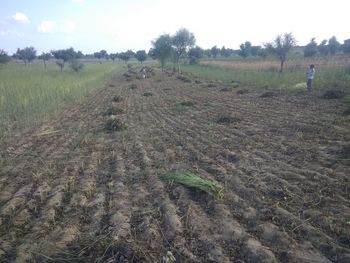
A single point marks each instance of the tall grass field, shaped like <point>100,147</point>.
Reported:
<point>330,73</point>
<point>28,93</point>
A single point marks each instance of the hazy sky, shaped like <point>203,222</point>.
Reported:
<point>115,25</point>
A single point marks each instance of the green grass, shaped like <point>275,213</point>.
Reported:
<point>193,181</point>
<point>326,77</point>
<point>27,94</point>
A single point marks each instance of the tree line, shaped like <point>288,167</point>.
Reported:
<point>181,45</point>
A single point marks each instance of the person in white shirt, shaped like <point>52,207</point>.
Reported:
<point>310,76</point>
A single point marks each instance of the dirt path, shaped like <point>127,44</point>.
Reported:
<point>70,190</point>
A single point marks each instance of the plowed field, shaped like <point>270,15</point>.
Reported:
<point>72,191</point>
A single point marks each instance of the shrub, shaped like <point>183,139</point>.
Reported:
<point>333,94</point>
<point>76,65</point>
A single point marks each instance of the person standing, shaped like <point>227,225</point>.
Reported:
<point>310,76</point>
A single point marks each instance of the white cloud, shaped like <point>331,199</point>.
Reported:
<point>47,26</point>
<point>68,27</point>
<point>20,17</point>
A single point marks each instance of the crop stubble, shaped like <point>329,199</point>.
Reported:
<point>69,185</point>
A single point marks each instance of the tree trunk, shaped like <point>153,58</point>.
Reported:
<point>282,63</point>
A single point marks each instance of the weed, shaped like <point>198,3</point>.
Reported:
<point>191,180</point>
<point>113,111</point>
<point>184,79</point>
<point>114,124</point>
<point>117,99</point>
<point>333,94</point>
<point>147,94</point>
<point>268,94</point>
<point>232,118</point>
<point>242,91</point>
<point>226,89</point>
<point>187,103</point>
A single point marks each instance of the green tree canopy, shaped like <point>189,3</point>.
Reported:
<point>182,41</point>
<point>333,45</point>
<point>162,49</point>
<point>63,55</point>
<point>323,48</point>
<point>27,54</point>
<point>141,56</point>
<point>281,46</point>
<point>310,49</point>
<point>4,58</point>
<point>195,54</point>
<point>214,51</point>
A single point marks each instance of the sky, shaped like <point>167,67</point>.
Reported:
<point>116,25</point>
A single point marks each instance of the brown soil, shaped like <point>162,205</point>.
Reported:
<point>71,191</point>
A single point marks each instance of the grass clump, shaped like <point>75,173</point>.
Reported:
<point>147,94</point>
<point>187,103</point>
<point>184,79</point>
<point>191,180</point>
<point>113,111</point>
<point>117,99</point>
<point>225,89</point>
<point>242,91</point>
<point>268,94</point>
<point>114,124</point>
<point>226,119</point>
<point>333,94</point>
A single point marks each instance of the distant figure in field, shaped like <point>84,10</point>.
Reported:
<point>310,76</point>
<point>144,75</point>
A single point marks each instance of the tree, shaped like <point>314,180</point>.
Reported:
<point>113,56</point>
<point>101,54</point>
<point>141,56</point>
<point>27,54</point>
<point>45,57</point>
<point>245,49</point>
<point>182,41</point>
<point>254,50</point>
<point>281,46</point>
<point>333,45</point>
<point>323,48</point>
<point>76,65</point>
<point>125,56</point>
<point>162,49</point>
<point>346,46</point>
<point>4,58</point>
<point>63,55</point>
<point>225,52</point>
<point>195,54</point>
<point>214,51</point>
<point>310,49</point>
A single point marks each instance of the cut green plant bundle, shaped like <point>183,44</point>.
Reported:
<point>193,181</point>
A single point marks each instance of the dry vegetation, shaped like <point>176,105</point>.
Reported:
<point>72,191</point>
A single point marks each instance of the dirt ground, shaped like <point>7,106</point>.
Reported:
<point>72,191</point>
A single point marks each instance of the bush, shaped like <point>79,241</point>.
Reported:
<point>76,65</point>
<point>333,94</point>
<point>4,58</point>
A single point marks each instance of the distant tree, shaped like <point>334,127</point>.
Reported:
<point>225,52</point>
<point>207,53</point>
<point>125,56</point>
<point>141,56</point>
<point>214,51</point>
<point>4,58</point>
<point>323,48</point>
<point>182,41</point>
<point>162,49</point>
<point>27,54</point>
<point>281,46</point>
<point>333,45</point>
<point>79,55</point>
<point>195,54</point>
<point>310,49</point>
<point>262,52</point>
<point>101,54</point>
<point>113,56</point>
<point>63,55</point>
<point>245,49</point>
<point>45,57</point>
<point>76,65</point>
<point>130,53</point>
<point>254,50</point>
<point>346,46</point>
